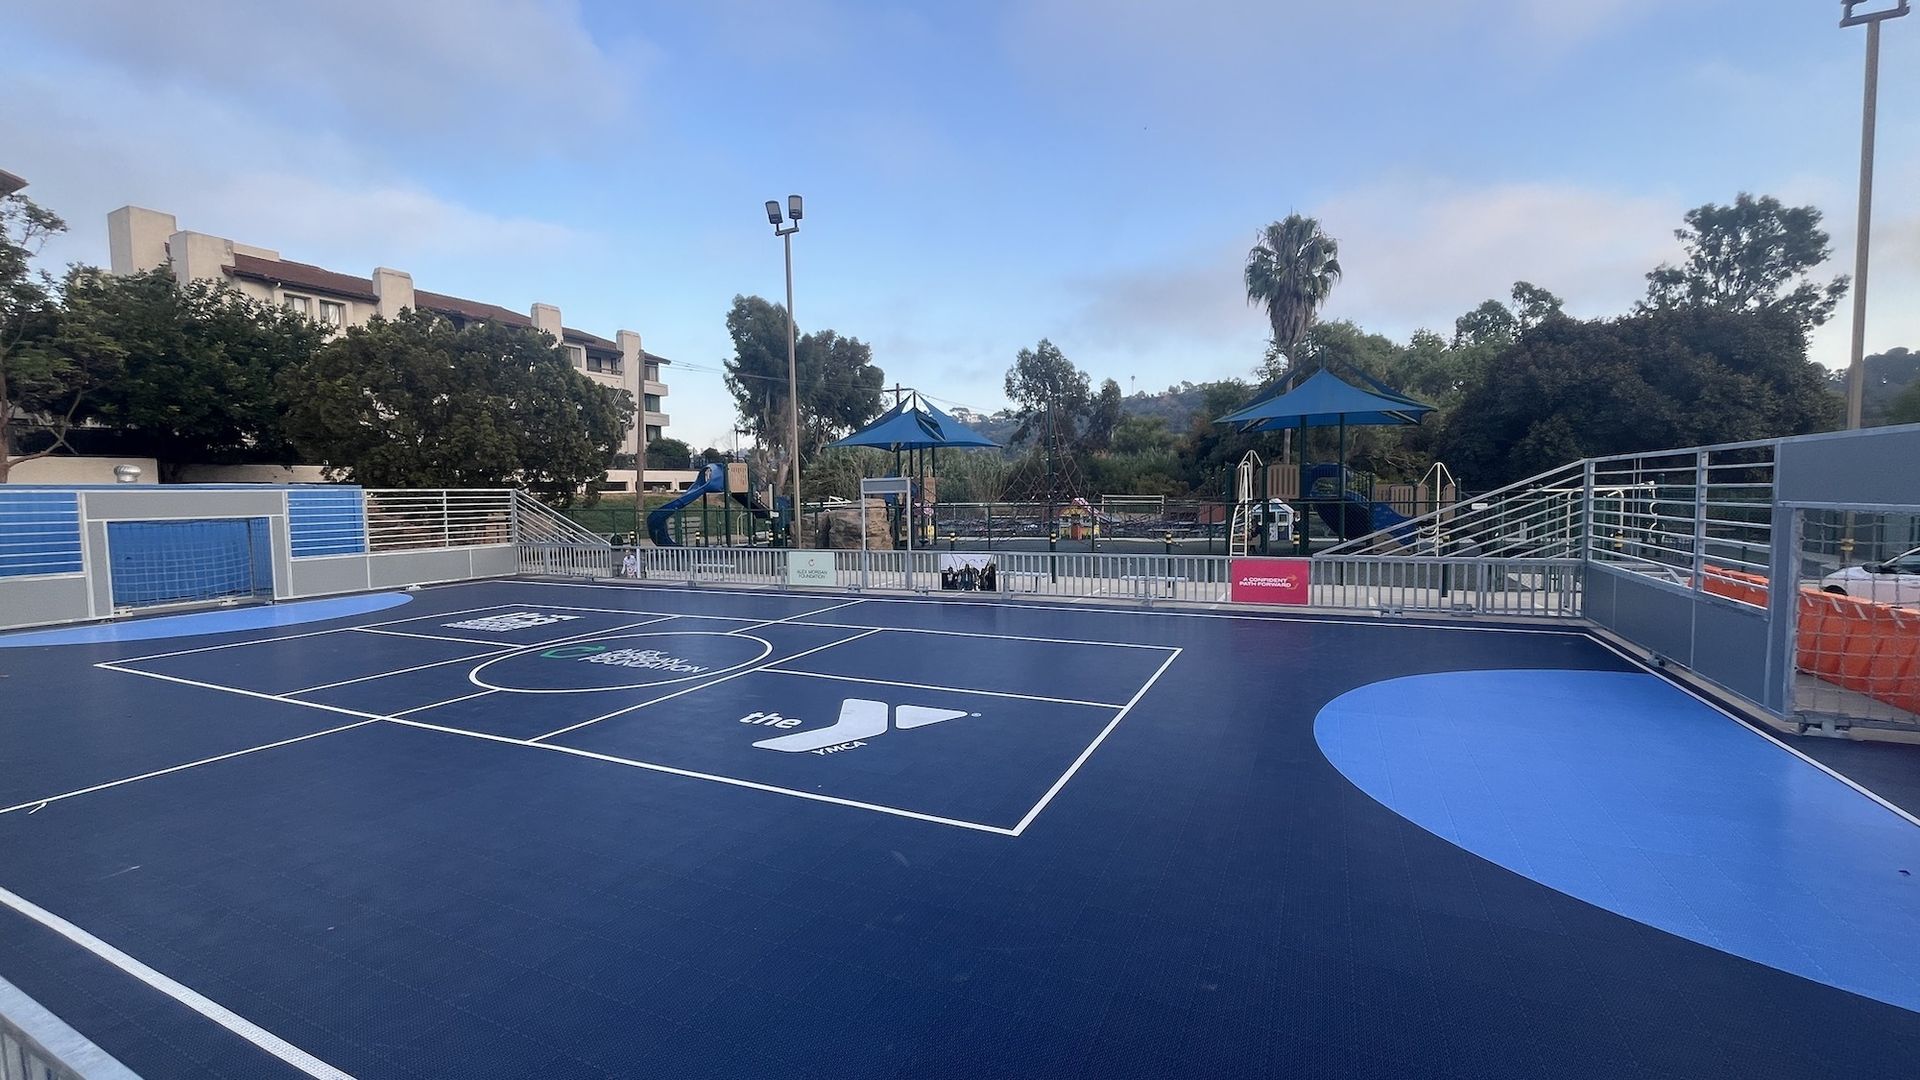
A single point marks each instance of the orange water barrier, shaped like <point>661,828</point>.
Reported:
<point>1864,646</point>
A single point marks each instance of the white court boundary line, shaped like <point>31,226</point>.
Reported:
<point>185,995</point>
<point>430,637</point>
<point>995,637</point>
<point>296,637</point>
<point>948,689</point>
<point>401,671</point>
<point>1744,725</point>
<point>733,781</point>
<point>449,701</point>
<point>1095,744</point>
<point>34,804</point>
<point>795,619</point>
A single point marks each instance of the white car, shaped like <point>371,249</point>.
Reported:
<point>1896,581</point>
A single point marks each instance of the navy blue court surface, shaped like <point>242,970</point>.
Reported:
<point>512,829</point>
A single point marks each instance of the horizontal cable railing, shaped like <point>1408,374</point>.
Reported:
<point>402,520</point>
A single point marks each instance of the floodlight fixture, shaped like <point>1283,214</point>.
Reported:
<point>1877,11</point>
<point>773,212</point>
<point>793,207</point>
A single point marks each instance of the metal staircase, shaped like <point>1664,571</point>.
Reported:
<point>534,522</point>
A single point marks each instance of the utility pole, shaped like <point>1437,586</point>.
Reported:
<point>1856,360</point>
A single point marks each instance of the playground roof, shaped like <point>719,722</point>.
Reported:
<point>913,424</point>
<point>1325,400</point>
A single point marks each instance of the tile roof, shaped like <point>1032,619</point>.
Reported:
<point>581,337</point>
<point>302,275</point>
<point>442,304</point>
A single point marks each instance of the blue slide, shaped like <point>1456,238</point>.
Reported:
<point>713,481</point>
<point>1356,515</point>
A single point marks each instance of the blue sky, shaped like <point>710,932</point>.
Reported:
<point>977,175</point>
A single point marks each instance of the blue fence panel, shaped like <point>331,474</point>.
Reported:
<point>327,521</point>
<point>39,533</point>
<point>168,562</point>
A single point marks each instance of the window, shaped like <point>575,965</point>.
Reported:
<point>653,432</point>
<point>653,402</point>
<point>301,304</point>
<point>333,314</point>
<point>653,372</point>
<point>576,356</point>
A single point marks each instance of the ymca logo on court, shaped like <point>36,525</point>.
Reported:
<point>859,721</point>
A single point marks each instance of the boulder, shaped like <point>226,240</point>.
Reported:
<point>840,529</point>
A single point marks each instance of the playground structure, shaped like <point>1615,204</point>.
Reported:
<point>741,512</point>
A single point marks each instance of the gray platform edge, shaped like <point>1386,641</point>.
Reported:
<point>30,1036</point>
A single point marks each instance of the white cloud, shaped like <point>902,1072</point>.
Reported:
<point>433,67</point>
<point>1419,254</point>
<point>313,197</point>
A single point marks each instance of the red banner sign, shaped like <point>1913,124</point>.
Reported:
<point>1270,581</point>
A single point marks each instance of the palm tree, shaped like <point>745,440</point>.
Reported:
<point>1290,271</point>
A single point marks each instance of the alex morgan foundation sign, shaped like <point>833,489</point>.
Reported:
<point>1270,581</point>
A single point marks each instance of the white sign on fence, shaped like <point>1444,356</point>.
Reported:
<point>886,485</point>
<point>810,568</point>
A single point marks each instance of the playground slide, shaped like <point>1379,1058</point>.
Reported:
<point>713,481</point>
<point>752,502</point>
<point>1356,515</point>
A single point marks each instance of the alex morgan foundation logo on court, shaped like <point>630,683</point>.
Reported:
<point>1270,581</point>
<point>646,659</point>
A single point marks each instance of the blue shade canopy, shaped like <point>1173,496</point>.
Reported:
<point>913,424</point>
<point>1325,400</point>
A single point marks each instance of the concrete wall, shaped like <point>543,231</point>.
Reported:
<point>252,474</point>
<point>68,471</point>
<point>137,239</point>
<point>53,599</point>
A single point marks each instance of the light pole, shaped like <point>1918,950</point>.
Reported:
<point>1851,15</point>
<point>793,375</point>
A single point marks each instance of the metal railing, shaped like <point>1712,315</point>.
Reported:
<point>1681,516</point>
<point>1681,513</point>
<point>1541,517</point>
<point>570,560</point>
<point>1486,585</point>
<point>401,520</point>
<point>718,565</point>
<point>536,522</point>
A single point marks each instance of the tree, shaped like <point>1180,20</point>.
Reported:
<point>1752,256</point>
<point>1905,409</point>
<point>669,453</point>
<point>415,402</point>
<point>1104,414</point>
<point>839,386</point>
<point>1671,377</point>
<point>51,358</point>
<point>1290,272</point>
<point>1045,387</point>
<point>199,379</point>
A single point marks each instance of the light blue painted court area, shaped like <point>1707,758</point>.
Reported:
<point>1619,789</point>
<point>264,617</point>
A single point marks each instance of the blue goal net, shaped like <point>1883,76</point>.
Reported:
<point>154,563</point>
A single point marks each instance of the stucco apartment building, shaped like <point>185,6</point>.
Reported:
<point>140,240</point>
